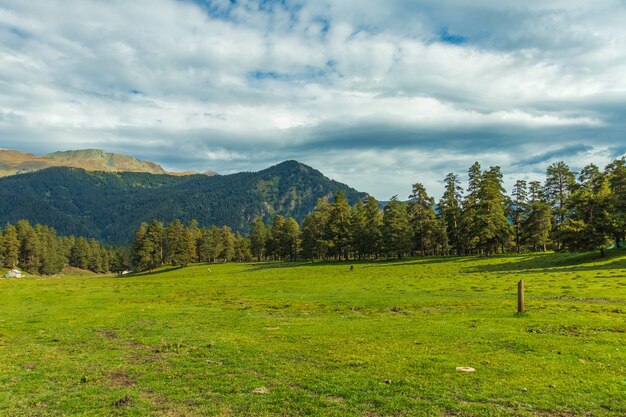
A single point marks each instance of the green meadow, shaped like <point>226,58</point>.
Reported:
<point>302,339</point>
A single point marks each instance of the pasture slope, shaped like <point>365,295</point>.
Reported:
<point>316,339</point>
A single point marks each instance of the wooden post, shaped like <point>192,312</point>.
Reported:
<point>520,296</point>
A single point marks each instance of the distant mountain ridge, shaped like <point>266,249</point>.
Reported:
<point>109,206</point>
<point>14,162</point>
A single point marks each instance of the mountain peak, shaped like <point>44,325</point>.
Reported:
<point>15,162</point>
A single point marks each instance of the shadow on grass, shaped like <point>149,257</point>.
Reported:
<point>370,263</point>
<point>560,262</point>
<point>148,273</point>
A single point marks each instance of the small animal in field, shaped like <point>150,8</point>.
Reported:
<point>351,268</point>
<point>209,269</point>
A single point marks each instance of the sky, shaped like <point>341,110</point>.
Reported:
<point>378,94</point>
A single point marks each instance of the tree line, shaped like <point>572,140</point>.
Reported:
<point>38,250</point>
<point>157,244</point>
<point>568,211</point>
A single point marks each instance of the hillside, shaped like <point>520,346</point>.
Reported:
<point>109,206</point>
<point>15,162</point>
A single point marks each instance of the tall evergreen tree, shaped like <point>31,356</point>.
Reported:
<point>518,210</point>
<point>396,228</point>
<point>616,174</point>
<point>373,233</point>
<point>469,225</point>
<point>278,244</point>
<point>216,245</point>
<point>176,251</point>
<point>155,233</point>
<point>338,227</point>
<point>590,225</point>
<point>293,242</point>
<point>358,225</point>
<point>243,252</point>
<point>228,244</point>
<point>258,238</point>
<point>29,258</point>
<point>314,241</point>
<point>560,183</point>
<point>79,256</point>
<point>492,225</point>
<point>95,257</point>
<point>11,247</point>
<point>451,211</point>
<point>142,250</point>
<point>423,218</point>
<point>189,247</point>
<point>537,225</point>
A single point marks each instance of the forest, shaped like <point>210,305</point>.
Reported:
<point>110,206</point>
<point>40,251</point>
<point>569,211</point>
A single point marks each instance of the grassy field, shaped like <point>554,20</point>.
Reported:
<point>317,339</point>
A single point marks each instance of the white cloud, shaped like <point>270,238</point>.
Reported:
<point>241,86</point>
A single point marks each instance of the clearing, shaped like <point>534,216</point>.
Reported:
<point>283,339</point>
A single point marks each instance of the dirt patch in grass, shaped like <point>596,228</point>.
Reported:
<point>121,379</point>
<point>108,334</point>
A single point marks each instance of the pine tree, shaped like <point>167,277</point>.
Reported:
<point>616,174</point>
<point>535,192</point>
<point>451,211</point>
<point>537,225</point>
<point>441,244</point>
<point>292,236</point>
<point>278,247</point>
<point>373,233</point>
<point>518,210</point>
<point>204,245</point>
<point>155,233</point>
<point>176,253</point>
<point>243,252</point>
<point>358,225</point>
<point>338,227</point>
<point>95,257</point>
<point>30,257</point>
<point>423,218</point>
<point>216,245</point>
<point>192,236</point>
<point>188,253</point>
<point>120,261</point>
<point>79,256</point>
<point>194,228</point>
<point>492,225</point>
<point>52,259</point>
<point>142,250</point>
<point>396,228</point>
<point>560,183</point>
<point>11,247</point>
<point>228,242</point>
<point>258,237</point>
<point>590,225</point>
<point>314,242</point>
<point>469,224</point>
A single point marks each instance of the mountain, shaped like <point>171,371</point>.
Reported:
<point>15,162</point>
<point>110,206</point>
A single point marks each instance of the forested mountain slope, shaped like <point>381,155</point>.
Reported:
<point>109,206</point>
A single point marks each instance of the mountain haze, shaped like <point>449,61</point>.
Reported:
<point>109,206</point>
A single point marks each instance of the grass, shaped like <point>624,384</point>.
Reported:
<point>317,339</point>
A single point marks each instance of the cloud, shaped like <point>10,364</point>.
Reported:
<point>378,96</point>
<point>561,153</point>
